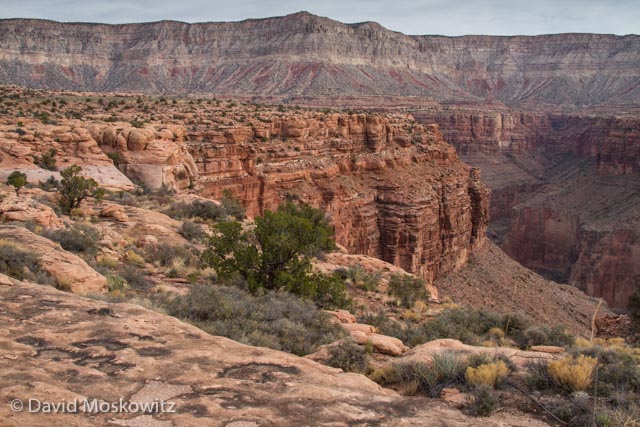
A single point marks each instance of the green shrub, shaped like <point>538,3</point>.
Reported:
<point>116,284</point>
<point>232,206</point>
<point>538,377</point>
<point>75,188</point>
<point>362,278</point>
<point>577,412</point>
<point>277,320</point>
<point>50,184</point>
<point>348,356</point>
<point>482,401</point>
<point>541,335</point>
<point>196,209</point>
<point>164,255</point>
<point>78,238</point>
<point>276,254</point>
<point>407,289</point>
<point>47,160</point>
<point>136,278</point>
<point>115,158</point>
<point>17,180</point>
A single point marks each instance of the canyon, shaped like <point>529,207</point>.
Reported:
<point>495,177</point>
<point>394,189</point>
<point>565,191</point>
<point>542,117</point>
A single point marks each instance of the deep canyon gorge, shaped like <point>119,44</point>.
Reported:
<point>550,122</point>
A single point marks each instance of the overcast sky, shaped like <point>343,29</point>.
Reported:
<point>448,17</point>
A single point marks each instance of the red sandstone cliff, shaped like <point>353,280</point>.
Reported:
<point>613,141</point>
<point>394,188</point>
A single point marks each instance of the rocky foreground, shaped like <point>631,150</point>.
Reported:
<point>58,346</point>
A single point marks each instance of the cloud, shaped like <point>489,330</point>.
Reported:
<point>447,17</point>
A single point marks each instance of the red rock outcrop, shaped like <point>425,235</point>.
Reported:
<point>126,354</point>
<point>72,144</point>
<point>393,188</point>
<point>156,158</point>
<point>613,141</point>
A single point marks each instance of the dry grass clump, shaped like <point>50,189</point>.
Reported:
<point>490,374</point>
<point>573,373</point>
<point>134,258</point>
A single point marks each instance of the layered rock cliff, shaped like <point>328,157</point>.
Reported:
<point>306,58</point>
<point>565,195</point>
<point>614,141</point>
<point>394,189</point>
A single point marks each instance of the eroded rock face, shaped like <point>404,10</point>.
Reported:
<point>324,61</point>
<point>122,351</point>
<point>21,208</point>
<point>565,195</point>
<point>72,145</point>
<point>393,188</point>
<point>156,157</point>
<point>613,141</point>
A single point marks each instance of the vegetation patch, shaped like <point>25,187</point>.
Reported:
<point>276,255</point>
<point>22,265</point>
<point>277,320</point>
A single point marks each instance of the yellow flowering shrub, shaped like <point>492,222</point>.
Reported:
<point>489,374</point>
<point>576,374</point>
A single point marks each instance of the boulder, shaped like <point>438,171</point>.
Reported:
<point>423,352</point>
<point>23,209</point>
<point>381,343</point>
<point>114,211</point>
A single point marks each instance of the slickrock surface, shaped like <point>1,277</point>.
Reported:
<point>306,58</point>
<point>112,351</point>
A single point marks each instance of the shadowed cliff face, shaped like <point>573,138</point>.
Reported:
<point>305,58</point>
<point>565,191</point>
